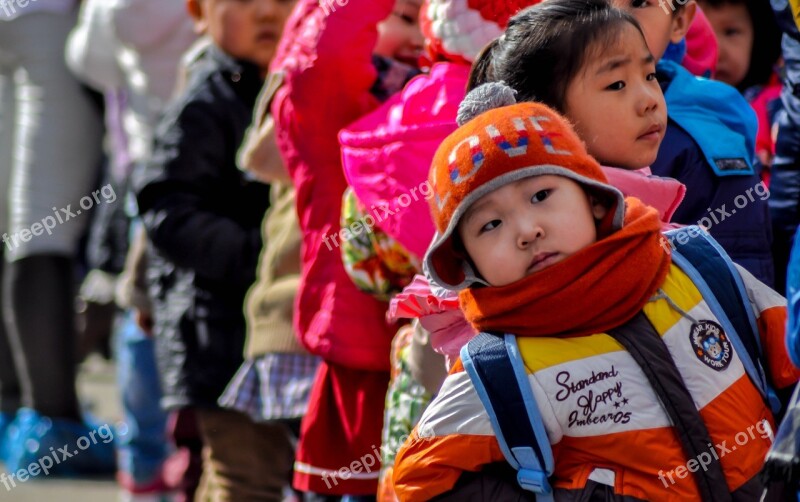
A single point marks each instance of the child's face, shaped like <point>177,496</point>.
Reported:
<point>527,226</point>
<point>660,24</point>
<point>399,35</point>
<point>245,29</point>
<point>616,104</point>
<point>734,30</point>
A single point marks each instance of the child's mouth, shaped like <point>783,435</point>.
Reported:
<point>542,260</point>
<point>653,133</point>
<point>267,36</point>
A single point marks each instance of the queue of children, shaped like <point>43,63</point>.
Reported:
<point>340,207</point>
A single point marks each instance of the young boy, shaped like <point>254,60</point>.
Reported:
<point>542,247</point>
<point>203,217</point>
<point>709,145</point>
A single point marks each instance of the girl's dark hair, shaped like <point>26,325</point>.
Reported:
<point>766,40</point>
<point>545,45</point>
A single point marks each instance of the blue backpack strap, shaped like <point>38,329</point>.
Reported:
<point>714,274</point>
<point>498,374</point>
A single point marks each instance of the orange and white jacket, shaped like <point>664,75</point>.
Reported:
<point>605,423</point>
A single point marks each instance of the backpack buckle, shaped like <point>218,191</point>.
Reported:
<point>534,481</point>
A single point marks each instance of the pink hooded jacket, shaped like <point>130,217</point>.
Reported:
<point>325,55</point>
<point>387,153</point>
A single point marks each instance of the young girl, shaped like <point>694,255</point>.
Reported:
<point>709,143</point>
<point>332,78</point>
<point>541,247</point>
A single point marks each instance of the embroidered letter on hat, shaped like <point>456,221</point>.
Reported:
<point>440,202</point>
<point>546,135</point>
<point>505,145</point>
<point>476,157</point>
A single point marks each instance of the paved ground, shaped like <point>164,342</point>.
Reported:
<point>96,385</point>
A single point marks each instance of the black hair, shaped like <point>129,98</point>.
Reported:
<point>546,45</point>
<point>766,40</point>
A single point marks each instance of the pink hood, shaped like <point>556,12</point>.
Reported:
<point>664,194</point>
<point>387,154</point>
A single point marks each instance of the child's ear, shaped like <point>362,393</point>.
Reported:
<point>681,21</point>
<point>195,10</point>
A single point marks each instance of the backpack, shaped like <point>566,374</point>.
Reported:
<point>498,374</point>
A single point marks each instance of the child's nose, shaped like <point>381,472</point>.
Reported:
<point>267,8</point>
<point>649,100</point>
<point>417,38</point>
<point>529,231</point>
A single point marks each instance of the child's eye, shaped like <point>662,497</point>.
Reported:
<point>540,196</point>
<point>616,86</point>
<point>490,226</point>
<point>636,4</point>
<point>730,32</point>
<point>651,77</point>
<point>410,20</point>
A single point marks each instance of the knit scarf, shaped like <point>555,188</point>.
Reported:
<point>598,288</point>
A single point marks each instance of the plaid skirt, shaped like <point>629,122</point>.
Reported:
<point>272,386</point>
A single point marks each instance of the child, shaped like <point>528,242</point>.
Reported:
<point>541,246</point>
<point>203,217</point>
<point>331,79</point>
<point>744,29</point>
<point>709,144</point>
<point>274,382</point>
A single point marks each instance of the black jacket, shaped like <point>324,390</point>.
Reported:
<point>203,218</point>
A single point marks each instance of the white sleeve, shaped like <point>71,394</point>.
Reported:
<point>92,47</point>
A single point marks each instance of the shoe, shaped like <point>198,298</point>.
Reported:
<point>5,421</point>
<point>156,490</point>
<point>60,447</point>
<point>146,497</point>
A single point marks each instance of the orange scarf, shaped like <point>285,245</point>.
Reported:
<point>592,291</point>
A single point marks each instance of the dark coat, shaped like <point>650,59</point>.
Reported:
<point>744,233</point>
<point>203,218</point>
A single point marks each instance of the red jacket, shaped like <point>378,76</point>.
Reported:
<point>325,54</point>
